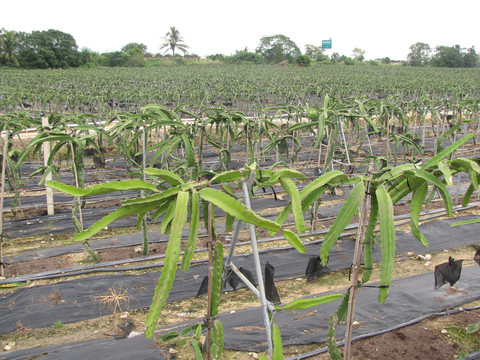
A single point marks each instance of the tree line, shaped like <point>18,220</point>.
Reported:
<point>56,49</point>
<point>422,54</point>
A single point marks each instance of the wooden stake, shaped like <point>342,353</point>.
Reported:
<point>328,149</point>
<point>357,258</point>
<point>78,199</point>
<point>4,165</point>
<point>210,275</point>
<point>46,155</point>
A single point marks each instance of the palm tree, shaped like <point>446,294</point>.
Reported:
<point>8,43</point>
<point>173,41</point>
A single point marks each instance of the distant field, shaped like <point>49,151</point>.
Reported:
<point>247,88</point>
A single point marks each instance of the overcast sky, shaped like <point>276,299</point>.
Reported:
<point>380,27</point>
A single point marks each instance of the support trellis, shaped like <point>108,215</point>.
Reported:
<point>267,307</point>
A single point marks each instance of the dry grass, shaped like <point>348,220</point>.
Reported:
<point>116,298</point>
<point>53,298</point>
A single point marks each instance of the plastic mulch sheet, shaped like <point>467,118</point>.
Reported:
<point>76,300</point>
<point>61,222</point>
<point>409,298</point>
<point>134,239</point>
<point>106,349</point>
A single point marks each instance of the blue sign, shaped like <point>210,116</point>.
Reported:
<point>327,44</point>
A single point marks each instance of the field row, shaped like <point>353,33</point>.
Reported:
<point>246,88</point>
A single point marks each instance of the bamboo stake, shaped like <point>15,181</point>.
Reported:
<point>78,201</point>
<point>327,152</point>
<point>368,139</point>
<point>424,126</point>
<point>319,152</point>
<point>387,155</point>
<point>77,185</point>
<point>142,192</point>
<point>210,275</point>
<point>357,258</point>
<point>4,165</point>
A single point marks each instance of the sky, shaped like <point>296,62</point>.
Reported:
<point>381,28</point>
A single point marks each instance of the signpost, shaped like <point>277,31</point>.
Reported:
<point>327,44</point>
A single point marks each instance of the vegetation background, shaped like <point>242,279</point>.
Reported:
<point>56,49</point>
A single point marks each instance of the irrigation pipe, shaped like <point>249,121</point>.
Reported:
<point>125,197</point>
<point>88,269</point>
<point>380,332</point>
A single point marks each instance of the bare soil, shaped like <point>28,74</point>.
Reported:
<point>439,338</point>
<point>104,255</point>
<point>411,342</point>
<point>132,252</point>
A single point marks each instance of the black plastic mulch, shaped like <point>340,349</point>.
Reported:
<point>154,236</point>
<point>409,298</point>
<point>75,300</point>
<point>61,222</point>
<point>106,349</point>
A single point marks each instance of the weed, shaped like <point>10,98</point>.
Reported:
<point>53,298</point>
<point>456,333</point>
<point>116,298</point>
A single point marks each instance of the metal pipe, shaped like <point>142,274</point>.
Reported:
<point>250,285</point>
<point>340,120</point>
<point>258,270</point>
<point>228,262</point>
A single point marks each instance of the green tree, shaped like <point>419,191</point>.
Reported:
<point>216,57</point>
<point>335,57</point>
<point>173,41</point>
<point>135,60</point>
<point>134,54</point>
<point>313,51</point>
<point>446,56</point>
<point>419,54</point>
<point>358,54</point>
<point>89,57</point>
<point>302,60</point>
<point>245,57</point>
<point>347,60</point>
<point>116,58</point>
<point>321,57</point>
<point>470,58</point>
<point>135,48</point>
<point>386,60</point>
<point>277,48</point>
<point>49,49</point>
<point>8,47</point>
